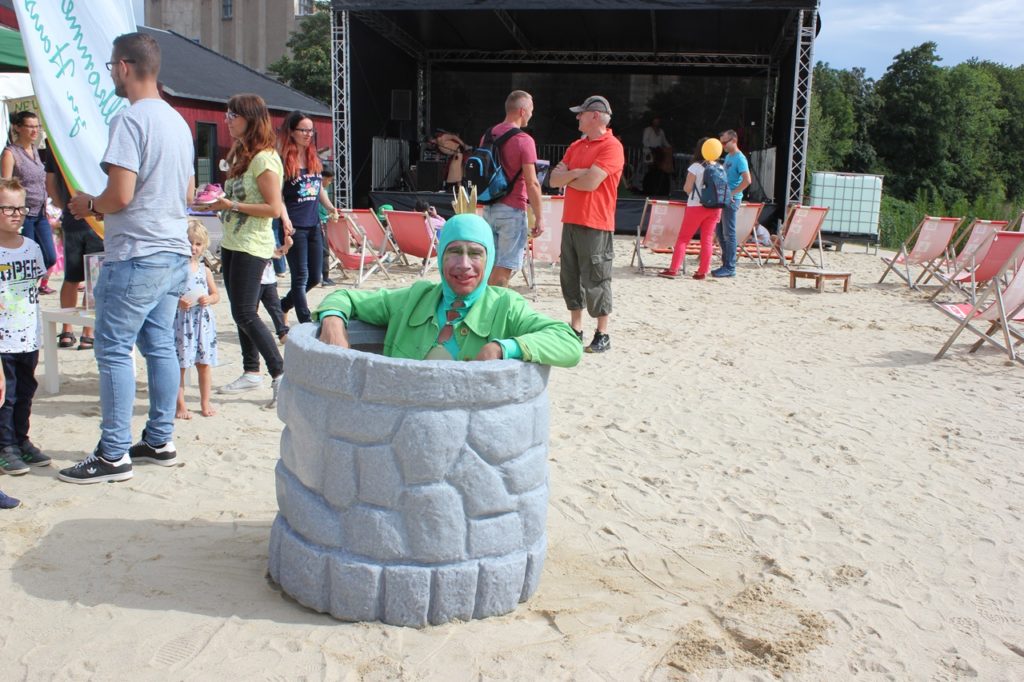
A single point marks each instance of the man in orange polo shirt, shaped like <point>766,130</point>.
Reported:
<point>590,172</point>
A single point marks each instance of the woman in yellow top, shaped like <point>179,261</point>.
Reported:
<point>251,202</point>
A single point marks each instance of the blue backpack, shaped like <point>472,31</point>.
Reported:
<point>715,190</point>
<point>484,171</point>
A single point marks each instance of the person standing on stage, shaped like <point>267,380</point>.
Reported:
<point>507,216</point>
<point>590,172</point>
<point>737,172</point>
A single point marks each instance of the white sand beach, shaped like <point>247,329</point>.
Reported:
<point>754,483</point>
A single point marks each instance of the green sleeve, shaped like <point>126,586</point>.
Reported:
<point>542,339</point>
<point>372,307</point>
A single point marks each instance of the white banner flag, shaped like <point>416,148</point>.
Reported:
<point>67,44</point>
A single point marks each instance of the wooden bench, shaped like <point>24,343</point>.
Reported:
<point>820,277</point>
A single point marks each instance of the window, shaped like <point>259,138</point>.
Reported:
<point>206,153</point>
<point>304,7</point>
<point>227,9</point>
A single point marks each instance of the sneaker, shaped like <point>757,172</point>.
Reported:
<point>95,469</point>
<point>328,283</point>
<point>578,333</point>
<point>8,502</point>
<point>33,456</point>
<point>722,272</point>
<point>209,194</point>
<point>246,382</point>
<point>600,344</point>
<point>11,461</point>
<point>275,385</point>
<point>165,455</point>
<point>699,275</point>
<point>668,274</point>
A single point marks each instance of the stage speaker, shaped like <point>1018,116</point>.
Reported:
<point>401,105</point>
<point>429,176</point>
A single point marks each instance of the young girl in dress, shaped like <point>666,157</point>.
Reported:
<point>195,328</point>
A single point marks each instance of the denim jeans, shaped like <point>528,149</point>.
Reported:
<point>19,376</point>
<point>305,262</point>
<point>135,304</point>
<point>37,228</point>
<point>509,226</point>
<point>242,274</point>
<point>726,233</point>
<point>280,264</point>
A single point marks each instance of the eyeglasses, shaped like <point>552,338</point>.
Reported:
<point>12,211</point>
<point>231,116</point>
<point>305,131</point>
<point>110,65</point>
<point>28,127</point>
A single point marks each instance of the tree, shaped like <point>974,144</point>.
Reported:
<point>308,69</point>
<point>1009,157</point>
<point>975,123</point>
<point>911,133</point>
<point>832,125</point>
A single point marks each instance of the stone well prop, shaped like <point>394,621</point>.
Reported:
<point>410,492</point>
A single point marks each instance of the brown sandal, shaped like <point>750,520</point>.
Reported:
<point>65,340</point>
<point>85,343</point>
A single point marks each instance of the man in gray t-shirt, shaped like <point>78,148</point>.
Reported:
<point>148,163</point>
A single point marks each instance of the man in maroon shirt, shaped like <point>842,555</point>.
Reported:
<point>507,216</point>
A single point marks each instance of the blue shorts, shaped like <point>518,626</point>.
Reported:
<point>509,226</point>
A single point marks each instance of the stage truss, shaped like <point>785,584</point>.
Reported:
<point>798,35</point>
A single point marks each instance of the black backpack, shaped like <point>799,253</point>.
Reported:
<point>483,168</point>
<point>715,190</point>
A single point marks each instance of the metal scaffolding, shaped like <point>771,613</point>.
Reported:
<point>341,103</point>
<point>800,123</point>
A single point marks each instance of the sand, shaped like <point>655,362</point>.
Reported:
<point>754,483</point>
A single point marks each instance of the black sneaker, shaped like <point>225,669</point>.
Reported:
<point>165,455</point>
<point>33,456</point>
<point>578,333</point>
<point>600,344</point>
<point>11,462</point>
<point>95,469</point>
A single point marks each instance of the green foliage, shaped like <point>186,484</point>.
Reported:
<point>308,69</point>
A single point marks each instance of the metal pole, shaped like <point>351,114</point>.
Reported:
<point>341,106</point>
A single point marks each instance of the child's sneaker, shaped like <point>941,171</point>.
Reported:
<point>11,462</point>
<point>33,456</point>
<point>95,469</point>
<point>209,194</point>
<point>165,455</point>
<point>8,502</point>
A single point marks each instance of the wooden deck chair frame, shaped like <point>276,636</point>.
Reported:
<point>974,265</point>
<point>802,238</point>
<point>401,232</point>
<point>663,218</point>
<point>931,253</point>
<point>746,221</point>
<point>365,263</point>
<point>1007,304</point>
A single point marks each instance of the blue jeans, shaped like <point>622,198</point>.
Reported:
<point>726,233</point>
<point>280,264</point>
<point>135,304</point>
<point>305,262</point>
<point>509,226</point>
<point>19,377</point>
<point>37,228</point>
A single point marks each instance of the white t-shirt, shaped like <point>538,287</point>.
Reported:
<point>697,171</point>
<point>269,276</point>
<point>21,269</point>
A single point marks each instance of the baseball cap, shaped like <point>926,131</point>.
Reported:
<point>593,103</point>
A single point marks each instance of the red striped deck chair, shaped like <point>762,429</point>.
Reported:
<point>340,235</point>
<point>994,310</point>
<point>662,218</point>
<point>799,234</point>
<point>971,265</point>
<point>746,221</point>
<point>380,239</point>
<point>413,235</point>
<point>931,250</point>
<point>546,248</point>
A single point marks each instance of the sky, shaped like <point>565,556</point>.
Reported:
<point>869,33</point>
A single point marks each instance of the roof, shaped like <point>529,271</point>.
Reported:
<point>191,71</point>
<point>12,52</point>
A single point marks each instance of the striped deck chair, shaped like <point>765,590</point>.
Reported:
<point>997,315</point>
<point>971,265</point>
<point>662,218</point>
<point>340,235</point>
<point>799,234</point>
<point>414,236</point>
<point>381,242</point>
<point>746,221</point>
<point>931,250</point>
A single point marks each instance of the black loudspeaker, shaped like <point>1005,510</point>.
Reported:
<point>401,105</point>
<point>429,176</point>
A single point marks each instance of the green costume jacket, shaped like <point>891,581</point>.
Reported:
<point>409,315</point>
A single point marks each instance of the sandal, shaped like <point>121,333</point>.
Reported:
<point>65,340</point>
<point>85,343</point>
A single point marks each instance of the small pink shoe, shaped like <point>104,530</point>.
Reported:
<point>209,194</point>
<point>699,275</point>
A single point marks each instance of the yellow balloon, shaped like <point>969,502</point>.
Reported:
<point>711,149</point>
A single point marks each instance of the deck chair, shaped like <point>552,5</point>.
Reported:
<point>546,248</point>
<point>972,265</point>
<point>662,219</point>
<point>369,225</point>
<point>413,235</point>
<point>931,250</point>
<point>746,221</point>
<point>1006,305</point>
<point>341,234</point>
<point>799,234</point>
